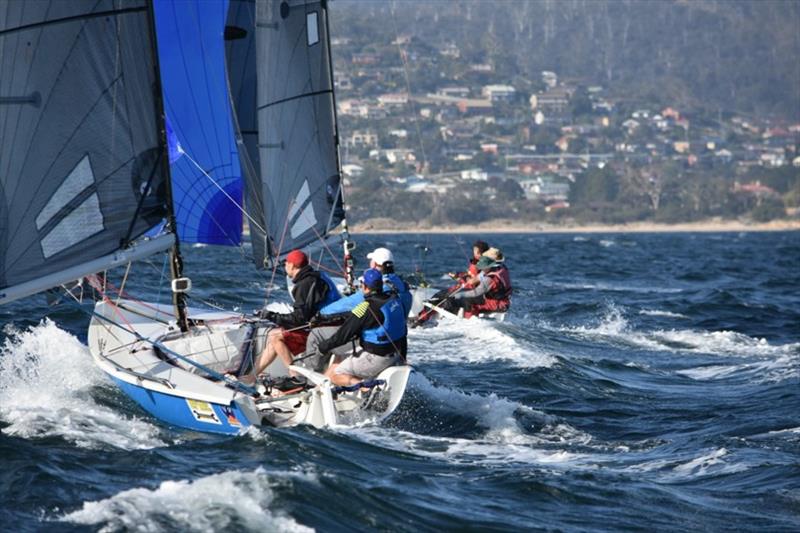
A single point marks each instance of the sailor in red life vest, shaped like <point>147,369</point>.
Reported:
<point>469,278</point>
<point>491,295</point>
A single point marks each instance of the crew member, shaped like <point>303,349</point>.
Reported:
<point>491,295</point>
<point>379,322</point>
<point>311,291</point>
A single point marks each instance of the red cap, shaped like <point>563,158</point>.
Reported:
<point>297,258</point>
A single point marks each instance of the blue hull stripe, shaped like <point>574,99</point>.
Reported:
<point>177,411</point>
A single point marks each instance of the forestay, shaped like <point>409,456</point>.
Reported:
<point>82,168</point>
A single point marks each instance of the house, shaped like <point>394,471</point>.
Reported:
<point>499,93</point>
<point>550,79</point>
<point>364,59</point>
<point>489,148</point>
<point>555,206</point>
<point>352,170</point>
<point>393,99</point>
<point>361,139</point>
<point>343,83</point>
<point>755,188</point>
<point>399,133</point>
<point>631,125</point>
<point>551,102</point>
<point>481,67</point>
<point>545,188</point>
<point>474,107</point>
<point>450,50</point>
<point>474,174</point>
<point>353,108</point>
<point>772,159</point>
<point>682,147</point>
<point>453,92</point>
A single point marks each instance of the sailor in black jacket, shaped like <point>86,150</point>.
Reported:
<point>379,322</point>
<point>311,291</point>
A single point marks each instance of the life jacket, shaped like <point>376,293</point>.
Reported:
<point>333,293</point>
<point>498,298</point>
<point>394,284</point>
<point>385,338</point>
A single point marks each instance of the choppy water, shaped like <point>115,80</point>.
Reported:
<point>641,382</point>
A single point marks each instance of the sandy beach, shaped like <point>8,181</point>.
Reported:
<point>509,226</point>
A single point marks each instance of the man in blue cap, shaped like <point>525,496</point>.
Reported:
<point>332,315</point>
<point>379,324</point>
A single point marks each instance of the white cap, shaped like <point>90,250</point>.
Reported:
<point>381,256</point>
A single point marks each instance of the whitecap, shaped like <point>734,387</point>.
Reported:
<point>474,341</point>
<point>240,500</point>
<point>714,463</point>
<point>46,376</point>
<point>657,312</point>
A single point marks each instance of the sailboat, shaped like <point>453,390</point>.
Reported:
<point>92,181</point>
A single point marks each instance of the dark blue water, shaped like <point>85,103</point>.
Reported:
<point>644,382</point>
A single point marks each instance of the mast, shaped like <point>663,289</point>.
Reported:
<point>347,244</point>
<point>179,284</point>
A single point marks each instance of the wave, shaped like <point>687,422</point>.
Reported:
<point>608,287</point>
<point>474,341</point>
<point>230,500</point>
<point>657,312</point>
<point>46,379</point>
<point>506,432</point>
<point>765,361</point>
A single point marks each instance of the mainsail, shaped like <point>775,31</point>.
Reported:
<point>299,190</point>
<point>206,176</point>
<point>82,160</point>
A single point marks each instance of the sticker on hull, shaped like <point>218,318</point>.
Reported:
<point>203,411</point>
<point>229,414</point>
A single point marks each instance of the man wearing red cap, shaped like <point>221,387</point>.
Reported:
<point>311,291</point>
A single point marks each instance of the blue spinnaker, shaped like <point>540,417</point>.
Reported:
<point>204,162</point>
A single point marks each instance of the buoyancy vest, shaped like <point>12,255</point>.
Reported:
<point>333,293</point>
<point>385,338</point>
<point>392,283</point>
<point>498,299</point>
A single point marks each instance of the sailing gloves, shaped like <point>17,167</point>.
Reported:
<point>264,314</point>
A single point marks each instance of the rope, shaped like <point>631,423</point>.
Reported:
<point>218,186</point>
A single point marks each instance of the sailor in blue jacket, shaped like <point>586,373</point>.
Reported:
<point>382,260</point>
<point>379,324</point>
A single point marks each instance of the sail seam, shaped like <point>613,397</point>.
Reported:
<point>297,97</point>
<point>113,12</point>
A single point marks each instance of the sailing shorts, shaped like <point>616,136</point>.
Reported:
<point>365,365</point>
<point>295,341</point>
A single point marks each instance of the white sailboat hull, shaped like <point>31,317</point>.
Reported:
<point>187,396</point>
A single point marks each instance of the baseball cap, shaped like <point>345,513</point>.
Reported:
<point>372,278</point>
<point>297,258</point>
<point>381,256</point>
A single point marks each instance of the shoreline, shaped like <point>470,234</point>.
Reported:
<point>381,226</point>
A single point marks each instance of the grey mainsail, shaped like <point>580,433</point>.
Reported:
<point>300,186</point>
<point>82,170</point>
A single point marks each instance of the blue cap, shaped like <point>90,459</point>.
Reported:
<point>372,278</point>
